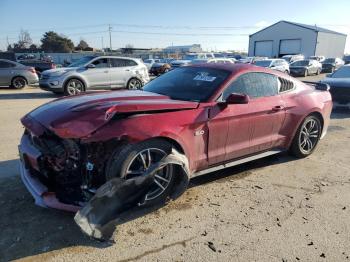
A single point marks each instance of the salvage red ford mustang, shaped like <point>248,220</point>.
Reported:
<point>215,115</point>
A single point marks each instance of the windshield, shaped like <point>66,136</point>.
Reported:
<point>188,83</point>
<point>263,63</point>
<point>287,58</point>
<point>301,63</point>
<point>343,72</point>
<point>329,60</point>
<point>81,61</point>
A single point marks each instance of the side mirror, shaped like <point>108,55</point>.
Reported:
<point>90,66</point>
<point>237,99</point>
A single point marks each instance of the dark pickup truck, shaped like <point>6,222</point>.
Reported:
<point>39,65</point>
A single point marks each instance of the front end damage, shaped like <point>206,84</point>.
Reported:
<point>64,151</point>
<point>63,173</point>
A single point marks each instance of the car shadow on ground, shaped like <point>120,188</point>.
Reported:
<point>32,95</point>
<point>28,230</point>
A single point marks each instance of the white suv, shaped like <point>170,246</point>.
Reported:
<point>96,72</point>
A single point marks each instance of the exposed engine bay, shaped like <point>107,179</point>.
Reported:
<point>71,169</point>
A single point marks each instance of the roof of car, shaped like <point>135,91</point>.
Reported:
<point>233,68</point>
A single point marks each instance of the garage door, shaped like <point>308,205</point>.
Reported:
<point>263,48</point>
<point>290,47</point>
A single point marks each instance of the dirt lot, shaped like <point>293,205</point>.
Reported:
<point>274,209</point>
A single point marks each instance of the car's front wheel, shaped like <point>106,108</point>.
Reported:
<point>306,137</point>
<point>133,160</point>
<point>74,87</point>
<point>18,82</point>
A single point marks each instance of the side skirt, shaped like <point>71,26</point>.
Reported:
<point>237,162</point>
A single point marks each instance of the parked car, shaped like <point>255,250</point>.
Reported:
<point>251,59</point>
<point>96,72</point>
<point>150,62</point>
<point>331,64</point>
<point>16,75</point>
<point>72,146</point>
<point>346,59</point>
<point>339,81</point>
<point>39,65</point>
<point>160,68</point>
<point>192,56</point>
<point>276,64</point>
<point>305,68</point>
<point>214,60</point>
<point>292,58</point>
<point>26,57</point>
<point>179,63</point>
<point>317,58</point>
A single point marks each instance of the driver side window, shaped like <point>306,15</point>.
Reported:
<point>254,85</point>
<point>101,63</point>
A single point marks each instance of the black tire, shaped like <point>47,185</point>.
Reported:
<point>297,149</point>
<point>286,72</point>
<point>125,157</point>
<point>18,82</point>
<point>134,83</point>
<point>70,90</point>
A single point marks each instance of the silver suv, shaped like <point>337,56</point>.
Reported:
<point>96,72</point>
<point>276,64</point>
<point>16,75</point>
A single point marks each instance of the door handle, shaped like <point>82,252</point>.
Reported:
<point>277,108</point>
<point>127,70</point>
<point>105,71</point>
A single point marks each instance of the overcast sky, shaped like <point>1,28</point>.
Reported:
<point>216,25</point>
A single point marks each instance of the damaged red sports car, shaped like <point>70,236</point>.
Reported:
<point>215,115</point>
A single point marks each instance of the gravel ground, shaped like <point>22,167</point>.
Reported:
<point>273,209</point>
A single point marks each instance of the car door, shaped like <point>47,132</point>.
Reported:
<point>228,127</point>
<point>262,117</point>
<point>121,71</point>
<point>6,72</point>
<point>98,77</point>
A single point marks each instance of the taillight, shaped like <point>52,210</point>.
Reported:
<point>32,70</point>
<point>53,66</point>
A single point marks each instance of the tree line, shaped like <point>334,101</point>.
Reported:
<point>51,42</point>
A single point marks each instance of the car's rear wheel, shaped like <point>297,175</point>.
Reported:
<point>74,87</point>
<point>134,83</point>
<point>18,82</point>
<point>306,137</point>
<point>132,160</point>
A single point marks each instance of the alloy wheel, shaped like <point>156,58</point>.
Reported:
<point>134,84</point>
<point>19,82</point>
<point>74,87</point>
<point>309,135</point>
<point>141,163</point>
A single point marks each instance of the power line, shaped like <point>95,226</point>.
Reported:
<point>179,34</point>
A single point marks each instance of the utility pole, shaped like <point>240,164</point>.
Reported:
<point>110,37</point>
<point>102,43</point>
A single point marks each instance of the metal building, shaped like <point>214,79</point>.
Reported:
<point>288,38</point>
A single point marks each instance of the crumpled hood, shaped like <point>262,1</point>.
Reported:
<point>78,116</point>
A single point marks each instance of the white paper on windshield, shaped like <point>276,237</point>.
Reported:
<point>203,76</point>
